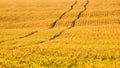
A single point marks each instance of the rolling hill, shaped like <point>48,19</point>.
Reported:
<point>59,34</point>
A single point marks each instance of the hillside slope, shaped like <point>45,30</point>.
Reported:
<point>60,34</point>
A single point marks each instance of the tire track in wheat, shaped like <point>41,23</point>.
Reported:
<point>79,15</point>
<point>55,22</point>
<point>72,23</point>
<point>52,26</point>
<point>2,42</point>
<point>29,34</point>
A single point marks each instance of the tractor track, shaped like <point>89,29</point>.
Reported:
<point>52,26</point>
<point>1,42</point>
<point>79,15</point>
<point>72,24</point>
<point>31,33</point>
<point>55,22</point>
<point>27,35</point>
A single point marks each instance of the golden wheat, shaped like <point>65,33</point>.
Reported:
<point>59,34</point>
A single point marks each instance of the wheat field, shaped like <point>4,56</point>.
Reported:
<point>59,33</point>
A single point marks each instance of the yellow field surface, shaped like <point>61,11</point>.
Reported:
<point>59,33</point>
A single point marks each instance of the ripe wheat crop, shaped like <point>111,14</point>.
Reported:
<point>59,33</point>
